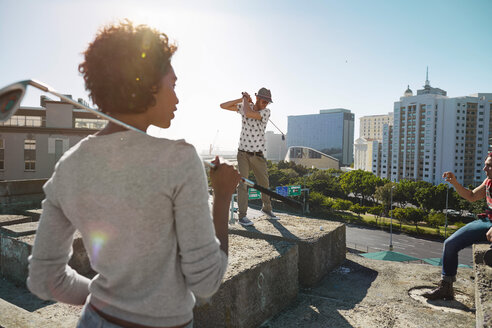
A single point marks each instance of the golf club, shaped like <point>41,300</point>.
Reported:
<point>283,135</point>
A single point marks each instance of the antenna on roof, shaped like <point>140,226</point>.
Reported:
<point>427,83</point>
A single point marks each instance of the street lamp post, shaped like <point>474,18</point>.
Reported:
<point>446,215</point>
<point>391,220</point>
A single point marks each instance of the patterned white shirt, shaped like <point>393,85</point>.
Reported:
<point>253,131</point>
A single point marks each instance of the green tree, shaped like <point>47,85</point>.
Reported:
<point>383,194</point>
<point>324,182</point>
<point>377,211</point>
<point>436,219</point>
<point>361,183</point>
<point>404,192</point>
<point>342,205</point>
<point>316,200</point>
<point>357,209</point>
<point>415,215</point>
<point>425,197</point>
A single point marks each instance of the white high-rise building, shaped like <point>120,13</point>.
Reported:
<point>433,133</point>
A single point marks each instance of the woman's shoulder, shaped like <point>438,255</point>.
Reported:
<point>178,151</point>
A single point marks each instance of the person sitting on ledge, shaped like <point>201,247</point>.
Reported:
<point>477,231</point>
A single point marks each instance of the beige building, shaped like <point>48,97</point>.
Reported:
<point>371,127</point>
<point>365,152</point>
<point>32,141</point>
<point>310,157</point>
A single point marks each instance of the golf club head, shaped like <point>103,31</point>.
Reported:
<point>10,99</point>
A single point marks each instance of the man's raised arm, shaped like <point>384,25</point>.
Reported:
<point>231,105</point>
<point>470,195</point>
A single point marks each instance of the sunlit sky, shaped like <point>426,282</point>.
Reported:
<point>358,55</point>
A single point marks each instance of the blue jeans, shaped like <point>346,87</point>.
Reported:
<point>90,319</point>
<point>471,233</point>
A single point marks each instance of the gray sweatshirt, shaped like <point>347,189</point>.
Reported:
<point>141,205</point>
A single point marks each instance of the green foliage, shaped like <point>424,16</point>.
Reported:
<point>328,202</point>
<point>325,182</point>
<point>409,215</point>
<point>342,205</point>
<point>436,219</point>
<point>361,183</point>
<point>316,199</point>
<point>383,194</point>
<point>357,209</point>
<point>404,192</point>
<point>376,210</point>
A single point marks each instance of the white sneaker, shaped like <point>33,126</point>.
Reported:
<point>245,221</point>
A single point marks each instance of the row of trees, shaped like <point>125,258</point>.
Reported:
<point>415,199</point>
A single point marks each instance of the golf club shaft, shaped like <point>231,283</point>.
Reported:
<point>276,127</point>
<point>48,89</point>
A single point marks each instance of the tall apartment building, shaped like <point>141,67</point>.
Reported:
<point>433,133</point>
<point>34,139</point>
<point>371,127</point>
<point>330,132</point>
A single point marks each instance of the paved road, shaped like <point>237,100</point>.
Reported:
<point>378,240</point>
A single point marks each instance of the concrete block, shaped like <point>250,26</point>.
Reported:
<point>35,214</point>
<point>6,219</point>
<point>21,229</point>
<point>483,287</point>
<point>14,252</point>
<point>321,242</point>
<point>260,281</point>
<point>14,316</point>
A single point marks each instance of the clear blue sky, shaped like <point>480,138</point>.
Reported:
<point>313,55</point>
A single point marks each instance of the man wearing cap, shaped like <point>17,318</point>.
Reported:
<point>251,147</point>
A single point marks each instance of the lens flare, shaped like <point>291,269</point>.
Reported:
<point>98,239</point>
<point>144,55</point>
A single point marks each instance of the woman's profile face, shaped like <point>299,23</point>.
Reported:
<point>166,100</point>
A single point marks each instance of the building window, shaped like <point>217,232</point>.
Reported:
<point>29,155</point>
<point>2,154</point>
<point>91,123</point>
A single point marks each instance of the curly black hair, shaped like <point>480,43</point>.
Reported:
<point>124,65</point>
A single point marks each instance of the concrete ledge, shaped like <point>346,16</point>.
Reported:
<point>21,229</point>
<point>6,220</point>
<point>483,287</point>
<point>321,243</point>
<point>14,252</point>
<point>13,316</point>
<point>260,281</point>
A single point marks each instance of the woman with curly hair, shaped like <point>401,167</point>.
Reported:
<point>139,202</point>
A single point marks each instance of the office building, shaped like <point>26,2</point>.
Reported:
<point>330,132</point>
<point>34,139</point>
